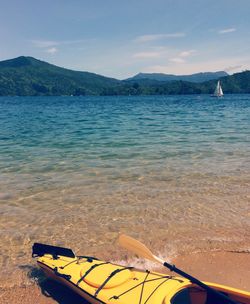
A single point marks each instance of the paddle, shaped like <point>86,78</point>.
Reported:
<point>141,250</point>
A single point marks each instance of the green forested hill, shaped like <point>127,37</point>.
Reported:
<point>27,76</point>
<point>237,83</point>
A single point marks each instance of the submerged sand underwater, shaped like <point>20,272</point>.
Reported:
<point>170,171</point>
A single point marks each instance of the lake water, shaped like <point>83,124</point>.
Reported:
<point>173,171</point>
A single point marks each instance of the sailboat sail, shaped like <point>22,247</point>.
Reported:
<point>218,90</point>
<point>221,92</point>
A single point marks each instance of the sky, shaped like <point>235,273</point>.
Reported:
<point>120,38</point>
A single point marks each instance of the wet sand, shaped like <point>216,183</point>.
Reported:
<point>227,268</point>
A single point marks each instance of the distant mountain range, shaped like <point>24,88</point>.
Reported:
<point>198,77</point>
<point>27,76</point>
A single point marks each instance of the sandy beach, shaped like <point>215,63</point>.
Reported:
<point>226,268</point>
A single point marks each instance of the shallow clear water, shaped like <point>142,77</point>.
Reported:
<point>173,171</point>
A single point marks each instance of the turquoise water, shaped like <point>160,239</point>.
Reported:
<point>75,168</point>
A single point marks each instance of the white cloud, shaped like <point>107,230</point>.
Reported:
<point>77,41</point>
<point>52,43</point>
<point>228,30</point>
<point>187,53</point>
<point>182,56</point>
<point>51,46</point>
<point>52,50</point>
<point>148,38</point>
<point>145,55</point>
<point>177,60</point>
<point>47,46</point>
<point>44,43</point>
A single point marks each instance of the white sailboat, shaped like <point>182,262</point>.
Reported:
<point>218,90</point>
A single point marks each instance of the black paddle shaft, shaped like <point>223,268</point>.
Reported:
<point>199,283</point>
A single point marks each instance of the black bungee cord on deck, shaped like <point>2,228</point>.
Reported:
<point>143,283</point>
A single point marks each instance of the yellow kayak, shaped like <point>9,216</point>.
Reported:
<point>104,282</point>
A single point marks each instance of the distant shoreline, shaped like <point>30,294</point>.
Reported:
<point>142,95</point>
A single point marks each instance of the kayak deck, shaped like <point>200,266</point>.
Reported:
<point>104,282</point>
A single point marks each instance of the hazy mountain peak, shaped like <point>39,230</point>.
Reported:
<point>19,62</point>
<point>197,77</point>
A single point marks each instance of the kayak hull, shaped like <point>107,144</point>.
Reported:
<point>51,275</point>
<point>100,282</point>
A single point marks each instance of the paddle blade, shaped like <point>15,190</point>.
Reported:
<point>138,248</point>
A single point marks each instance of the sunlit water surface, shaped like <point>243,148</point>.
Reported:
<point>172,171</point>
